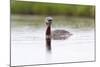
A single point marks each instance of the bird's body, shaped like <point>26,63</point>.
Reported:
<point>56,34</point>
<point>60,34</point>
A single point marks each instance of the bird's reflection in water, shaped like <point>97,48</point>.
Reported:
<point>48,44</point>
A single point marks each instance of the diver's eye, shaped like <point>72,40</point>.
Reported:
<point>49,20</point>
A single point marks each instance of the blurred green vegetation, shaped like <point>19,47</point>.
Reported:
<point>38,8</point>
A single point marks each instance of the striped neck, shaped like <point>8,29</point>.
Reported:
<point>48,30</point>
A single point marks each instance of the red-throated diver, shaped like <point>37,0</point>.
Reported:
<point>56,34</point>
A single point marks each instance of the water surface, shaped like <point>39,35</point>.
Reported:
<point>28,45</point>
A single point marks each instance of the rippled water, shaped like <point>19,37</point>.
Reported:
<point>28,40</point>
